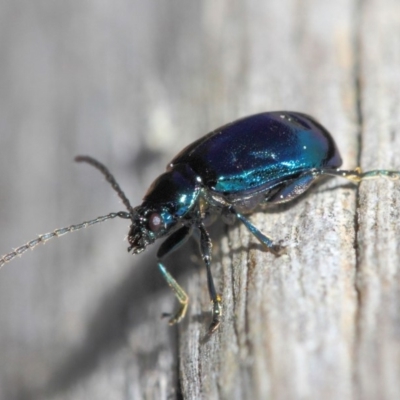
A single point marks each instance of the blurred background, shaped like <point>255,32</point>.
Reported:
<point>131,83</point>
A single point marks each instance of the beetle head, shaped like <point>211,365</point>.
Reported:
<point>148,224</point>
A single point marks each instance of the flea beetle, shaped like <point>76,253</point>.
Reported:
<point>266,158</point>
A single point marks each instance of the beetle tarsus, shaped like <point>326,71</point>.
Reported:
<point>216,315</point>
<point>277,249</point>
<point>179,293</point>
<point>178,316</point>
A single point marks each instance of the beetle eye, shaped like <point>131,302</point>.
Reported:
<point>155,222</point>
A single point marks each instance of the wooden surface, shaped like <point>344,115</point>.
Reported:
<point>131,83</point>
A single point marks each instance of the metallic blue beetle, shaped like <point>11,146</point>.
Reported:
<point>271,157</point>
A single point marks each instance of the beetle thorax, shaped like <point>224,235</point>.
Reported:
<point>171,197</point>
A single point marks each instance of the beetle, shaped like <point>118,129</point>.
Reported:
<point>267,158</point>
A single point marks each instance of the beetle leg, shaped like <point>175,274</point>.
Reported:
<point>357,175</point>
<point>266,241</point>
<point>293,189</point>
<point>172,243</point>
<point>205,248</point>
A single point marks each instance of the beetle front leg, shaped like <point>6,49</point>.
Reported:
<point>172,243</point>
<point>205,248</point>
<point>266,241</point>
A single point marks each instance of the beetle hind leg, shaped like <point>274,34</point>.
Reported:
<point>292,189</point>
<point>357,175</point>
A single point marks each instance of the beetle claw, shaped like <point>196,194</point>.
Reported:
<point>216,315</point>
<point>278,249</point>
<point>178,316</point>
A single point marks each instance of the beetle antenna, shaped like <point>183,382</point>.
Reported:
<point>57,233</point>
<point>109,178</point>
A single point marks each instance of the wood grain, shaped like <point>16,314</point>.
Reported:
<point>131,83</point>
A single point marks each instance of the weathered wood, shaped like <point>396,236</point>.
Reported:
<point>133,83</point>
<point>377,349</point>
